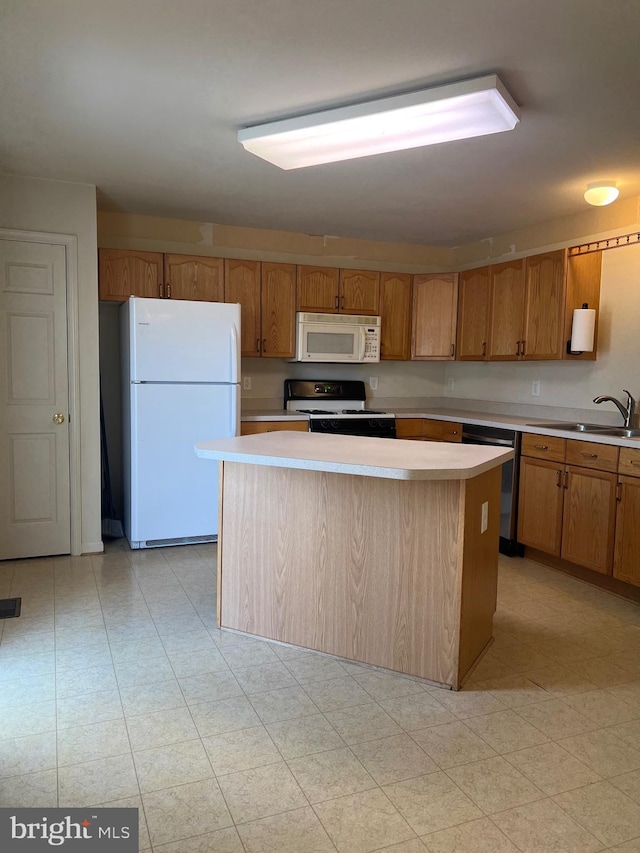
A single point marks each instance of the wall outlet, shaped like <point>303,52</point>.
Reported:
<point>373,383</point>
<point>535,388</point>
<point>246,383</point>
<point>451,384</point>
<point>484,519</point>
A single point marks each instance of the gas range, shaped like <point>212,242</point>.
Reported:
<point>343,409</point>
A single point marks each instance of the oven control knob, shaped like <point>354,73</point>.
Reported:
<point>325,424</point>
<point>334,424</point>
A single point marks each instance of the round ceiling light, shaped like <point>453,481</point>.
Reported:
<point>600,193</point>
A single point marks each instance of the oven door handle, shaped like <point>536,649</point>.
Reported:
<point>496,442</point>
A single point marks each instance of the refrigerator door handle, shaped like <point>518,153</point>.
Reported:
<point>235,354</point>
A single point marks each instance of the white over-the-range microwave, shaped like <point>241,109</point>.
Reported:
<point>337,338</point>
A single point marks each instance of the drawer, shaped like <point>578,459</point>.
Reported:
<point>629,462</point>
<point>254,427</point>
<point>409,428</point>
<point>543,447</point>
<point>588,454</point>
<point>442,430</point>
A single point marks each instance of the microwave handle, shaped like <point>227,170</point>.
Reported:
<point>363,341</point>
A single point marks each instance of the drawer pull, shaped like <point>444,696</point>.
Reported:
<point>541,446</point>
<point>589,455</point>
<point>632,462</point>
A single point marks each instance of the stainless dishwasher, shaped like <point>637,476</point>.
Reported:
<point>474,434</point>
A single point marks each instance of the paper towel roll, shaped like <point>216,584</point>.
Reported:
<point>584,322</point>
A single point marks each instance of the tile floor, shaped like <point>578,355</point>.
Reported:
<point>117,689</point>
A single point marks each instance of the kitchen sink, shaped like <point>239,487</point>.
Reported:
<point>621,432</point>
<point>574,427</point>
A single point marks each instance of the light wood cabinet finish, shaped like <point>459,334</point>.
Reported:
<point>629,461</point>
<point>395,316</point>
<point>278,300</point>
<point>317,289</point>
<point>409,428</point>
<point>626,565</point>
<point>255,427</point>
<point>442,430</point>
<point>194,277</point>
<point>588,454</point>
<point>506,325</point>
<point>583,285</point>
<point>123,273</point>
<point>544,447</point>
<point>403,578</point>
<point>242,284</point>
<point>544,304</point>
<point>540,504</point>
<point>435,300</point>
<point>589,518</point>
<point>473,314</point>
<point>359,292</point>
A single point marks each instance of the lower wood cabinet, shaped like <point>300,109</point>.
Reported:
<point>569,510</point>
<point>255,427</point>
<point>425,429</point>
<point>626,563</point>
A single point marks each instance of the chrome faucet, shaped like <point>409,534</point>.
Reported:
<point>627,411</point>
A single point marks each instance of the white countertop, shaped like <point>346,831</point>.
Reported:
<point>492,419</point>
<point>366,457</point>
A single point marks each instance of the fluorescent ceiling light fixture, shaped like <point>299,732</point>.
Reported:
<point>600,193</point>
<point>443,113</point>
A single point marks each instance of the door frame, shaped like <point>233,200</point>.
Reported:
<point>70,243</point>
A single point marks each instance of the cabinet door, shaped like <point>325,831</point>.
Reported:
<point>506,314</point>
<point>626,561</point>
<point>258,427</point>
<point>583,285</point>
<point>540,504</point>
<point>194,277</point>
<point>435,302</point>
<point>242,284</point>
<point>473,314</point>
<point>395,316</point>
<point>125,273</point>
<point>544,306</point>
<point>278,304</point>
<point>589,518</point>
<point>318,289</point>
<point>409,428</point>
<point>442,430</point>
<point>359,292</point>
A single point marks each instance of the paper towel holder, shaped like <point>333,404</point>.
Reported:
<point>587,344</point>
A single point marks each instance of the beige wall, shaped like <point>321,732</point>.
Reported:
<point>31,204</point>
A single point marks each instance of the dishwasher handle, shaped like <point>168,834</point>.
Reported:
<point>496,442</point>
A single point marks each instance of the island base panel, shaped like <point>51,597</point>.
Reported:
<point>367,569</point>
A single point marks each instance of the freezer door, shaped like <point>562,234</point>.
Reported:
<point>173,493</point>
<point>183,341</point>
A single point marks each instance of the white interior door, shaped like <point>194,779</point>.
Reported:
<point>34,401</point>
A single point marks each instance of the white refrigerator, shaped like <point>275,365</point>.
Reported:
<point>181,385</point>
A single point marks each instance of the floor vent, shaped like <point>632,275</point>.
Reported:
<point>9,607</point>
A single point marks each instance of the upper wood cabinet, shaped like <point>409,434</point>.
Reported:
<point>474,292</point>
<point>583,285</point>
<point>544,306</point>
<point>395,316</point>
<point>506,314</point>
<point>334,291</point>
<point>194,277</point>
<point>317,289</point>
<point>242,284</point>
<point>359,292</point>
<point>278,306</point>
<point>123,273</point>
<point>435,299</point>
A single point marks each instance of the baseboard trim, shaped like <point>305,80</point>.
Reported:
<point>611,584</point>
<point>92,548</point>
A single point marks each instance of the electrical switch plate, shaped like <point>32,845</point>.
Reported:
<point>373,383</point>
<point>246,383</point>
<point>535,388</point>
<point>451,384</point>
<point>484,521</point>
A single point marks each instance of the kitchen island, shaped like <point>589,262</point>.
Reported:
<point>378,551</point>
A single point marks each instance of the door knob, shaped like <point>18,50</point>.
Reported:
<point>58,418</point>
